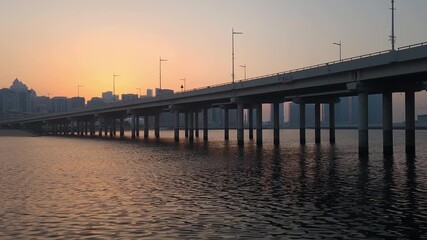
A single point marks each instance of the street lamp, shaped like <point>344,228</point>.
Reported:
<point>139,92</point>
<point>244,66</point>
<point>232,51</point>
<point>78,90</point>
<point>160,75</point>
<point>114,85</point>
<point>338,44</point>
<point>392,37</point>
<point>185,85</point>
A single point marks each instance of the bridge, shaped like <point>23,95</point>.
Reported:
<point>386,72</point>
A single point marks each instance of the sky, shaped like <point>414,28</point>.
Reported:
<point>55,45</point>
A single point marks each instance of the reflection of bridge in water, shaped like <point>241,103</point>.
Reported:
<point>404,70</point>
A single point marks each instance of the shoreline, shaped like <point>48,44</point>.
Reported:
<point>16,133</point>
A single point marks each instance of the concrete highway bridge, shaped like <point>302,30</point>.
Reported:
<point>402,70</point>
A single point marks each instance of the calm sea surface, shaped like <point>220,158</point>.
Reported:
<point>77,187</point>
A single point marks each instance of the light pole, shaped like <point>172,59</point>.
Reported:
<point>78,90</point>
<point>160,75</point>
<point>232,51</point>
<point>392,37</point>
<point>114,86</point>
<point>185,85</point>
<point>338,44</point>
<point>244,66</point>
<point>139,92</point>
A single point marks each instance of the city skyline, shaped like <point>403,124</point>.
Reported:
<point>55,46</point>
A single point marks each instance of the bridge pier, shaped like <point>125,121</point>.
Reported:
<point>133,126</point>
<point>332,122</point>
<point>317,122</point>
<point>92,130</point>
<point>157,125</point>
<point>176,130</point>
<point>240,124</point>
<point>302,123</point>
<point>122,128</point>
<point>276,126</point>
<point>146,117</point>
<point>186,124</point>
<point>112,127</point>
<point>387,124</point>
<point>251,123</point>
<point>72,128</point>
<point>101,122</point>
<point>86,127</point>
<point>226,125</point>
<point>363,124</point>
<point>259,124</point>
<point>191,126</point>
<point>137,125</point>
<point>205,124</point>
<point>106,127</point>
<point>410,123</point>
<point>196,124</point>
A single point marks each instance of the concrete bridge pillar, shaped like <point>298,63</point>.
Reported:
<point>122,128</point>
<point>157,125</point>
<point>226,125</point>
<point>105,126</point>
<point>317,122</point>
<point>133,135</point>
<point>363,124</point>
<point>86,127</point>
<point>82,128</point>
<point>176,130</point>
<point>92,127</point>
<point>240,123</point>
<point>196,124</point>
<point>276,126</point>
<point>72,128</point>
<point>251,123</point>
<point>332,122</point>
<point>410,123</point>
<point>114,127</point>
<point>387,124</point>
<point>112,120</point>
<point>137,125</point>
<point>191,126</point>
<point>259,124</point>
<point>302,123</point>
<point>205,124</point>
<point>146,117</point>
<point>100,125</point>
<point>186,124</point>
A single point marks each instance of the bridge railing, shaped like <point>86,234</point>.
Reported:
<point>413,45</point>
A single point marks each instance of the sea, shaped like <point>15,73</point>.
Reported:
<point>63,187</point>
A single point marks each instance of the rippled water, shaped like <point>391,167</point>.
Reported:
<point>64,187</point>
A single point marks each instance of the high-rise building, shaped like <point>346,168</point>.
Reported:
<point>59,104</point>
<point>95,102</point>
<point>76,103</point>
<point>129,97</point>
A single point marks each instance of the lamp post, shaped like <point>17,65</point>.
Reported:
<point>78,90</point>
<point>185,85</point>
<point>114,86</point>
<point>392,37</point>
<point>139,92</point>
<point>244,66</point>
<point>232,51</point>
<point>339,44</point>
<point>160,75</point>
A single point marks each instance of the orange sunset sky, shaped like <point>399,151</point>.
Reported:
<point>55,45</point>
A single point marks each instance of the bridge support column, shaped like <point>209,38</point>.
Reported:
<point>105,126</point>
<point>317,122</point>
<point>226,125</point>
<point>205,124</point>
<point>186,124</point>
<point>157,125</point>
<point>101,122</point>
<point>85,127</point>
<point>72,128</point>
<point>302,123</point>
<point>112,120</point>
<point>387,124</point>
<point>122,128</point>
<point>133,126</point>
<point>331,122</point>
<point>137,125</point>
<point>176,130</point>
<point>240,124</point>
<point>146,117</point>
<point>363,124</point>
<point>114,127</point>
<point>410,123</point>
<point>259,124</point>
<point>276,126</point>
<point>191,126</point>
<point>196,124</point>
<point>251,123</point>
<point>92,125</point>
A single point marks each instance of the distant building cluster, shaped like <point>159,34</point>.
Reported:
<point>19,101</point>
